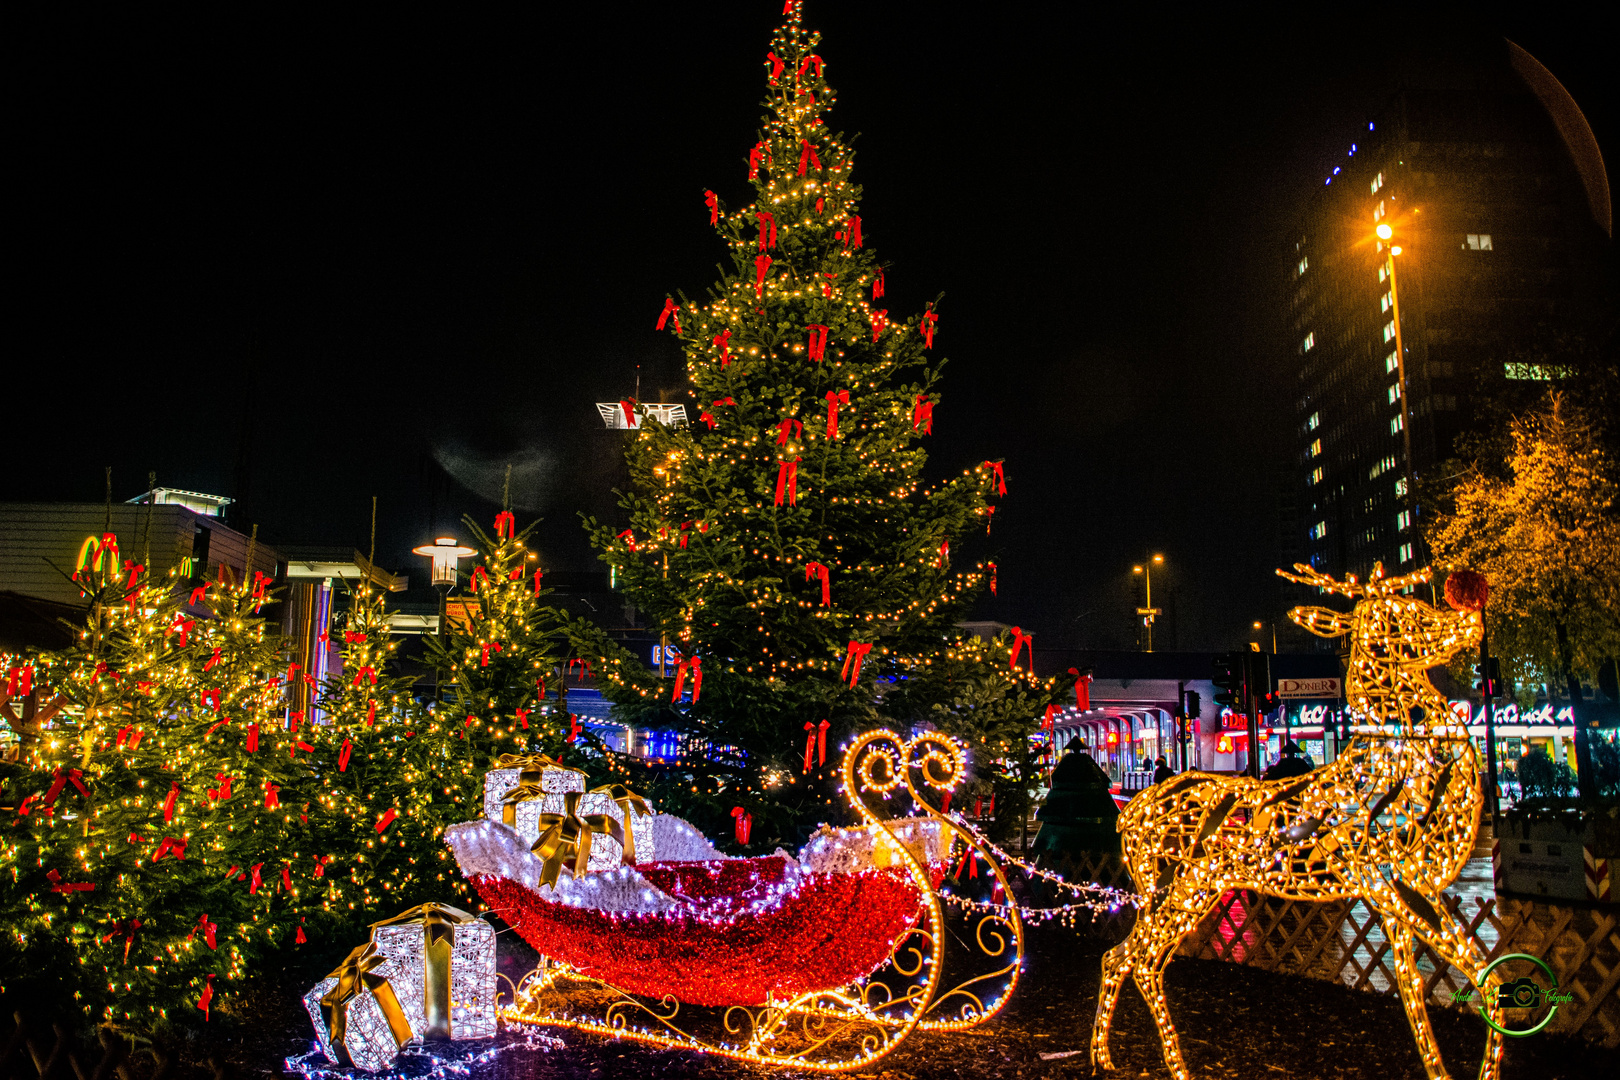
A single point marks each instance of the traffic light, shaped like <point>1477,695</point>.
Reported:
<point>1228,679</point>
<point>1490,677</point>
<point>1260,681</point>
<point>1192,706</point>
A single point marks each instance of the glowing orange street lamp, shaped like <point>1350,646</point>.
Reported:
<point>1148,613</point>
<point>446,555</point>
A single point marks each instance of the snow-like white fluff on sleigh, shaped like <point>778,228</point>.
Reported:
<point>490,848</point>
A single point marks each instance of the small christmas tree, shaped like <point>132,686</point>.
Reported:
<point>787,542</point>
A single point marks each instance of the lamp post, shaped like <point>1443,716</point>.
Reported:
<point>1385,235</point>
<point>446,555</point>
<point>1148,613</point>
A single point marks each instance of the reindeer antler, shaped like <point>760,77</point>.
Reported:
<point>1310,575</point>
<point>1390,586</point>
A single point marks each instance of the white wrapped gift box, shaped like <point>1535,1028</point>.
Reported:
<point>554,778</point>
<point>606,852</point>
<point>472,972</point>
<point>368,1042</point>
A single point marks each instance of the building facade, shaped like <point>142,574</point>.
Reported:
<point>1463,226</point>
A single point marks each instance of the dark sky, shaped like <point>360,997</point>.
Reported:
<point>314,257</point>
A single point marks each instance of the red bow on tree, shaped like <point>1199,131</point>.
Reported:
<point>170,846</point>
<point>816,347</point>
<point>671,310</point>
<point>816,737</point>
<point>207,929</point>
<point>784,427</point>
<point>629,538</point>
<point>343,755</point>
<point>814,570</point>
<point>787,482</point>
<point>684,535</point>
<point>767,228</point>
<point>207,998</point>
<point>851,236</point>
<point>253,738</point>
<point>756,158</point>
<point>169,801</point>
<point>1020,639</point>
<point>255,879</point>
<point>61,780</point>
<point>478,574</point>
<point>538,574</point>
<point>877,287</point>
<point>1049,721</point>
<point>505,524</point>
<point>573,728</point>
<point>992,567</point>
<point>197,595</point>
<point>922,415</point>
<point>182,627</point>
<point>369,672</point>
<point>523,717</point>
<point>744,824</point>
<point>223,792</point>
<point>20,682</point>
<point>722,341</point>
<point>930,321</point>
<point>696,664</point>
<point>320,865</point>
<point>835,398</point>
<point>386,820</point>
<point>826,290</point>
<point>944,553</point>
<point>989,518</point>
<point>857,653</point>
<point>127,928</point>
<point>776,66</point>
<point>58,885</point>
<point>997,475</point>
<point>271,797</point>
<point>709,418</point>
<point>712,201</point>
<point>489,647</point>
<point>811,58</point>
<point>880,323</point>
<point>1082,690</point>
<point>807,156</point>
<point>762,266</point>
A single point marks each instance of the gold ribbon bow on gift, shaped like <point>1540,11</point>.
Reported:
<point>533,767</point>
<point>567,837</point>
<point>628,801</point>
<point>438,923</point>
<point>356,975</point>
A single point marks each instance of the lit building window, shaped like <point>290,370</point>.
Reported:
<point>1390,364</point>
<point>1395,425</point>
<point>1383,273</point>
<point>1383,466</point>
<point>1394,393</point>
<point>1379,213</point>
<point>1378,181</point>
<point>1538,372</point>
<point>1400,488</point>
<point>1403,520</point>
<point>1389,330</point>
<point>1315,449</point>
<point>1315,477</point>
<point>1477,242</point>
<point>1319,530</point>
<point>1304,264</point>
<point>1313,422</point>
<point>1406,553</point>
<point>1310,341</point>
<point>1384,302</point>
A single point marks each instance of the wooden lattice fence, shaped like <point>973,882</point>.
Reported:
<point>1345,942</point>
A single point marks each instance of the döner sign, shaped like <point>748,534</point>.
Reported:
<point>1308,688</point>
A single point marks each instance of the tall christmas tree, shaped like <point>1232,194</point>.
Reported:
<point>787,542</point>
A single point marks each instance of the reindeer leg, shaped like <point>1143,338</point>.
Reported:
<point>1409,980</point>
<point>1150,981</point>
<point>1459,949</point>
<point>1116,965</point>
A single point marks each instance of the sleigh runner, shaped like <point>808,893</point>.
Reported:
<point>825,961</point>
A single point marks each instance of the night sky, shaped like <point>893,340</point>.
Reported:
<point>319,256</point>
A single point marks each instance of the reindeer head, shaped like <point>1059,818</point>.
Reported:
<point>1394,639</point>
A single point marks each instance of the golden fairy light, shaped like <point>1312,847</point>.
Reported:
<point>1390,822</point>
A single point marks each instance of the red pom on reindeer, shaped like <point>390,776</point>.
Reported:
<point>1467,590</point>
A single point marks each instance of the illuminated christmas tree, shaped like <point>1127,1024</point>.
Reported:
<point>787,543</point>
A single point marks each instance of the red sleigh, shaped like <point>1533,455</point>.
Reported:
<point>823,962</point>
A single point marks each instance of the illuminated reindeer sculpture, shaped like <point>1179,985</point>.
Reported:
<point>1391,822</point>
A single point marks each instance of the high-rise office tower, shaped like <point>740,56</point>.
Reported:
<point>1465,224</point>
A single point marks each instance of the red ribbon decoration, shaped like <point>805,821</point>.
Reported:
<point>944,553</point>
<point>271,798</point>
<point>211,699</point>
<point>670,309</point>
<point>170,846</point>
<point>852,232</point>
<point>712,201</point>
<point>821,204</point>
<point>516,574</point>
<point>343,755</point>
<point>206,998</point>
<point>299,938</point>
<point>252,739</point>
<point>523,717</point>
<point>197,595</point>
<point>58,885</point>
<point>767,228</point>
<point>1082,690</point>
<point>478,574</point>
<point>744,824</point>
<point>816,348</point>
<point>629,538</point>
<point>835,398</point>
<point>489,647</point>
<point>369,672</point>
<point>880,323</point>
<point>776,66</point>
<point>992,567</point>
<point>684,535</point>
<point>815,569</point>
<point>1049,721</point>
<point>255,880</point>
<point>756,158</point>
<point>782,429</point>
<point>168,803</point>
<point>386,820</point>
<point>709,416</point>
<point>809,59</point>
<point>573,728</point>
<point>126,928</point>
<point>857,653</point>
<point>629,408</point>
<point>538,574</point>
<point>223,792</point>
<point>182,626</point>
<point>997,475</point>
<point>696,664</point>
<point>877,287</point>
<point>722,341</point>
<point>922,415</point>
<point>352,638</point>
<point>207,929</point>
<point>505,524</point>
<point>826,290</point>
<point>787,482</point>
<point>930,321</point>
<point>286,876</point>
<point>20,682</point>
<point>320,865</point>
<point>61,780</point>
<point>807,156</point>
<point>762,266</point>
<point>816,736</point>
<point>1020,639</point>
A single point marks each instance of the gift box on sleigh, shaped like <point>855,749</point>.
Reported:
<point>539,797</point>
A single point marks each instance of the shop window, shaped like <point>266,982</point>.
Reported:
<point>1477,242</point>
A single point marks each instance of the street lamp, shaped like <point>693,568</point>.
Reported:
<point>1259,625</point>
<point>1385,235</point>
<point>1148,613</point>
<point>446,555</point>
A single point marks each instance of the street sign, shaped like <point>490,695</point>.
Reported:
<point>1149,611</point>
<point>1293,689</point>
